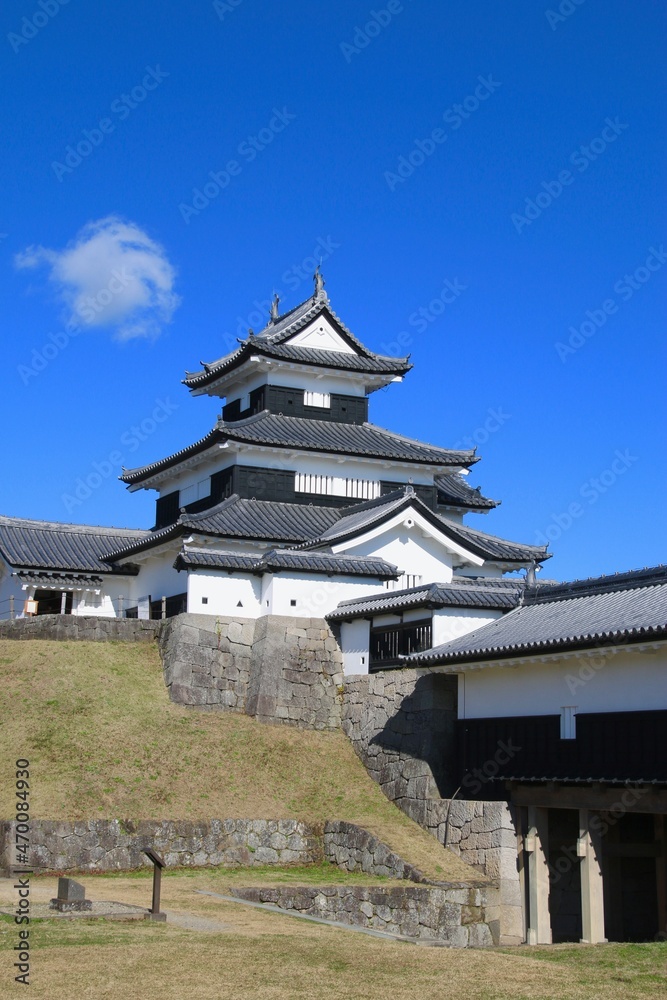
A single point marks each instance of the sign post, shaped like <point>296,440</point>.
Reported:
<point>158,864</point>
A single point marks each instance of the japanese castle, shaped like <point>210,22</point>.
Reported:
<point>292,504</point>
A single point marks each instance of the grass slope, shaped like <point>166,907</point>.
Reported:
<point>104,741</point>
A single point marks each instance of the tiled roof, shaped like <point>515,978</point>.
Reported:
<point>281,559</point>
<point>454,491</point>
<point>56,546</point>
<point>595,617</point>
<point>45,580</point>
<point>270,342</point>
<point>304,434</point>
<point>262,520</point>
<point>467,593</point>
<point>354,520</point>
<point>310,527</point>
<point>492,547</point>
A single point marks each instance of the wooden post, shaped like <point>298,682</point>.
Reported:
<point>592,883</point>
<point>158,864</point>
<point>164,607</point>
<point>536,845</point>
<point>63,602</point>
<point>661,875</point>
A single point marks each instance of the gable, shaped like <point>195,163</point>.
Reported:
<point>321,335</point>
<point>408,537</point>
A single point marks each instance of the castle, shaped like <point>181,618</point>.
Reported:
<point>292,504</point>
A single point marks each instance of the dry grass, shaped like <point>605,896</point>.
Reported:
<point>104,741</point>
<point>265,955</point>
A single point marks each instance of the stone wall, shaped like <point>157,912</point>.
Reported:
<point>83,627</point>
<point>278,669</point>
<point>117,845</point>
<point>355,849</point>
<point>402,725</point>
<point>458,916</point>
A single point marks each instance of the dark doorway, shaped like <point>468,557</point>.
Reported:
<point>564,875</point>
<point>632,854</point>
<point>49,602</point>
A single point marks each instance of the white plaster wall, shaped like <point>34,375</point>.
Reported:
<point>10,586</point>
<point>355,640</point>
<point>346,385</point>
<point>334,465</point>
<point>107,603</point>
<point>224,591</point>
<point>626,681</point>
<point>315,596</point>
<point>449,623</point>
<point>157,577</point>
<point>408,549</point>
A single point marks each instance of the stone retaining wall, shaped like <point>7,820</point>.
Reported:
<point>355,849</point>
<point>117,845</point>
<point>82,627</point>
<point>278,669</point>
<point>459,916</point>
<point>402,725</point>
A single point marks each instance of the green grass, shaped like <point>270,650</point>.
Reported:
<point>104,741</point>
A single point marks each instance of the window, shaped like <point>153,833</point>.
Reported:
<point>322,399</point>
<point>362,489</point>
<point>404,582</point>
<point>204,600</point>
<point>195,492</point>
<point>355,489</point>
<point>568,722</point>
<point>305,482</point>
<point>390,642</point>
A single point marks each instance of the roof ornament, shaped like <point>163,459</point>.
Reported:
<point>319,283</point>
<point>274,308</point>
<point>251,332</point>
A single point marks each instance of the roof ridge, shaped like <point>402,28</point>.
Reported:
<point>423,444</point>
<point>10,521</point>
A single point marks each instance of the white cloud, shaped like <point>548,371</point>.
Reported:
<point>111,275</point>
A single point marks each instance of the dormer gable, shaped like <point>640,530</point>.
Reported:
<point>321,335</point>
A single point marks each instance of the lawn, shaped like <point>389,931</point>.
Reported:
<point>104,741</point>
<point>249,953</point>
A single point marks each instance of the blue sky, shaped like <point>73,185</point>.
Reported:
<point>482,180</point>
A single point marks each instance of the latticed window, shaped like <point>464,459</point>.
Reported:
<point>393,641</point>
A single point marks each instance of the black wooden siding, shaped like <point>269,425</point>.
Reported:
<point>289,401</point>
<point>621,746</point>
